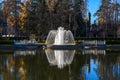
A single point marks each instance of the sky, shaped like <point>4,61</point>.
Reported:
<point>93,6</point>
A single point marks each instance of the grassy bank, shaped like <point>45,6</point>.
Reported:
<point>113,42</point>
<point>6,41</point>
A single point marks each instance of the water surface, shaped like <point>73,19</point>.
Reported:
<point>60,65</point>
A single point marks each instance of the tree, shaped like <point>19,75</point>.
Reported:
<point>14,12</point>
<point>44,15</point>
<point>108,16</point>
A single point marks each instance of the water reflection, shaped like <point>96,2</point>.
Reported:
<point>21,66</point>
<point>24,52</point>
<point>6,67</point>
<point>100,66</point>
<point>94,51</point>
<point>60,58</point>
<point>92,65</point>
<point>21,70</point>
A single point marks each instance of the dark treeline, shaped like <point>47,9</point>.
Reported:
<point>38,17</point>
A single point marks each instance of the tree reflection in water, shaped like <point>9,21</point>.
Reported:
<point>87,66</point>
<point>21,71</point>
<point>102,66</point>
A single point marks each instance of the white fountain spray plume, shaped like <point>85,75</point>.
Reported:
<point>60,37</point>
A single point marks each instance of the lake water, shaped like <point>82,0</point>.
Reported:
<point>50,64</point>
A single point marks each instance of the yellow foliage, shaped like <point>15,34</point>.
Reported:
<point>50,4</point>
<point>101,20</point>
<point>10,13</point>
<point>22,15</point>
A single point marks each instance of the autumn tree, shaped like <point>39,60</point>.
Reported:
<point>108,16</point>
<point>14,13</point>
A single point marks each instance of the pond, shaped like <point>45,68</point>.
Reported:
<point>39,64</point>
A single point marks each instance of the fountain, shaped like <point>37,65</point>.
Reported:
<point>61,58</point>
<point>60,37</point>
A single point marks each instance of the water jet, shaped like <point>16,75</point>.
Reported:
<point>60,37</point>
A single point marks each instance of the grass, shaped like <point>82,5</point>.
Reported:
<point>6,42</point>
<point>113,42</point>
